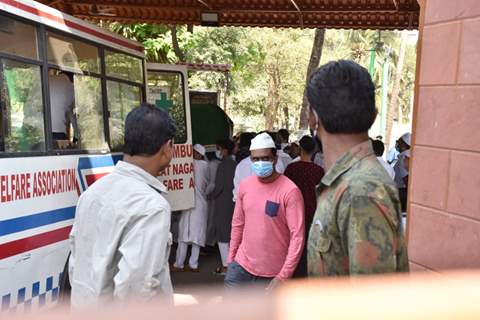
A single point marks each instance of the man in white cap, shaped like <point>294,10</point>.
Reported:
<point>244,170</point>
<point>268,223</point>
<point>192,227</point>
<point>402,144</point>
<point>401,172</point>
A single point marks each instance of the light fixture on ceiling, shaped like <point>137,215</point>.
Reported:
<point>209,19</point>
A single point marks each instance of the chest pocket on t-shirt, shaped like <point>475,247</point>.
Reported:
<point>271,208</point>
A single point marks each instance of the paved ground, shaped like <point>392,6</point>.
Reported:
<point>190,283</point>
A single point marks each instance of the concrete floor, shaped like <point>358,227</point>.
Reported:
<point>191,283</point>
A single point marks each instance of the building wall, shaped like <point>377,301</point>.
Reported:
<point>444,208</point>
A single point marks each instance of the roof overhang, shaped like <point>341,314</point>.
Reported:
<point>345,14</point>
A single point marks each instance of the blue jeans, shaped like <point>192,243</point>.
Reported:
<point>237,276</point>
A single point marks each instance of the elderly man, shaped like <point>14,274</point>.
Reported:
<point>121,239</point>
<point>357,228</point>
<point>268,223</point>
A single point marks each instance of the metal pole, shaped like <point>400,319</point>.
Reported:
<point>383,109</point>
<point>371,68</point>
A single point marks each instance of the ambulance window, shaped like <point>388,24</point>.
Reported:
<point>18,38</point>
<point>76,111</point>
<point>122,98</point>
<point>21,102</point>
<point>89,113</point>
<point>166,91</point>
<point>119,65</point>
<point>71,54</point>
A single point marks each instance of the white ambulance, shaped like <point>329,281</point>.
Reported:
<point>66,87</point>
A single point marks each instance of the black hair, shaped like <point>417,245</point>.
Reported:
<point>284,134</point>
<point>378,147</point>
<point>307,144</point>
<point>226,144</point>
<point>319,144</point>
<point>343,95</point>
<point>68,74</point>
<point>246,139</point>
<point>147,129</point>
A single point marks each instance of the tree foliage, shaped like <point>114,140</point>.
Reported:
<point>269,66</point>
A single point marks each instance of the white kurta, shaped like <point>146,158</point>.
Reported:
<point>400,170</point>
<point>120,240</point>
<point>387,167</point>
<point>192,227</point>
<point>284,160</point>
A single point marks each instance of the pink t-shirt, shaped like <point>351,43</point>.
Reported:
<point>268,227</point>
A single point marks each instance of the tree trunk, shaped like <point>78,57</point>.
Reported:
<point>315,58</point>
<point>178,52</point>
<point>393,106</point>
<point>285,118</point>
<point>271,111</point>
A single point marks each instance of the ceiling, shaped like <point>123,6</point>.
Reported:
<point>347,14</point>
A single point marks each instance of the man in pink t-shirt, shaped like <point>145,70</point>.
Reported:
<point>268,223</point>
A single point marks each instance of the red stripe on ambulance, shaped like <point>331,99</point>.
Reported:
<point>71,24</point>
<point>34,242</point>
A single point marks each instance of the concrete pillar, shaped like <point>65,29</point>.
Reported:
<point>444,208</point>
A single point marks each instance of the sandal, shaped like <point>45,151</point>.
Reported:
<point>175,269</point>
<point>220,271</point>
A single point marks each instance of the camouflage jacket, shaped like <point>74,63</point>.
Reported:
<point>357,228</point>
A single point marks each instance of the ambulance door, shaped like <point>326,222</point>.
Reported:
<point>167,88</point>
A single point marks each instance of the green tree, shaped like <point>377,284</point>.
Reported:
<point>269,66</point>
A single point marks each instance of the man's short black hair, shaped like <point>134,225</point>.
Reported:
<point>246,139</point>
<point>226,144</point>
<point>343,95</point>
<point>284,134</point>
<point>147,129</point>
<point>307,144</point>
<point>378,147</point>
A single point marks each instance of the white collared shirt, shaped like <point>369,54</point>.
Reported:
<point>121,240</point>
<point>387,167</point>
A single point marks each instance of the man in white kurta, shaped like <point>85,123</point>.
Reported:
<point>192,227</point>
<point>120,241</point>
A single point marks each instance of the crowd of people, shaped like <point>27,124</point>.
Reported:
<point>325,205</point>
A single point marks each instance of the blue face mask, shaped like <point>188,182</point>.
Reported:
<point>262,169</point>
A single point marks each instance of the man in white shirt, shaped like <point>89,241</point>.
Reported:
<point>192,226</point>
<point>283,137</point>
<point>120,241</point>
<point>401,172</point>
<point>379,149</point>
<point>62,96</point>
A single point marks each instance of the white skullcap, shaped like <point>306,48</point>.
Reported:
<point>262,141</point>
<point>407,138</point>
<point>199,148</point>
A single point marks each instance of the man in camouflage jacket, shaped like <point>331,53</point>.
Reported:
<point>357,228</point>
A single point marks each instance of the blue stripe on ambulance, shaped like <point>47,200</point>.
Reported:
<point>96,162</point>
<point>36,295</point>
<point>36,220</point>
